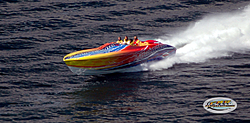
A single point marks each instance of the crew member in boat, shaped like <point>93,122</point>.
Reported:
<point>131,42</point>
<point>136,41</point>
<point>126,40</point>
<point>119,40</point>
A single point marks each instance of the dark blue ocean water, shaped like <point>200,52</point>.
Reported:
<point>212,60</point>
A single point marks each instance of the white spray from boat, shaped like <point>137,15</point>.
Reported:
<point>214,36</point>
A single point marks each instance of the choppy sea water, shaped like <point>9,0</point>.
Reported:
<point>212,60</point>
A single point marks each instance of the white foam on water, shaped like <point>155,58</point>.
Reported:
<point>214,36</point>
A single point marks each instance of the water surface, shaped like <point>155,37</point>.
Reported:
<point>212,60</point>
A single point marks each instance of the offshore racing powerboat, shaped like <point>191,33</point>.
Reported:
<point>115,57</point>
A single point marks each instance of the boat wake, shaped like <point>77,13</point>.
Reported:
<point>214,36</point>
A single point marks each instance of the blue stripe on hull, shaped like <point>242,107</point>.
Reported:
<point>107,49</point>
